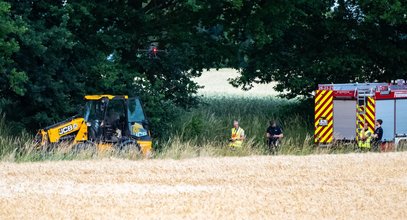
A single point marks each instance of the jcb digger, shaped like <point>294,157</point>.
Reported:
<point>108,121</point>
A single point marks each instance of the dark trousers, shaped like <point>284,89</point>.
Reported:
<point>376,145</point>
<point>273,144</point>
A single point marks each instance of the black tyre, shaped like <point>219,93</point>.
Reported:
<point>128,146</point>
<point>85,148</point>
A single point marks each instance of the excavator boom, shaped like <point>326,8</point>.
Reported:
<point>72,130</point>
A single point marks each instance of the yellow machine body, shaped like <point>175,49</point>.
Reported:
<point>76,130</point>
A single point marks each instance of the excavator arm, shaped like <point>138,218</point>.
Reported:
<point>73,130</point>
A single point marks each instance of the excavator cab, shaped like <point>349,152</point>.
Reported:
<point>117,119</point>
<point>106,119</point>
<point>120,114</point>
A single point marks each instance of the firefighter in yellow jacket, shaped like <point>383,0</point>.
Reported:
<point>365,137</point>
<point>237,136</point>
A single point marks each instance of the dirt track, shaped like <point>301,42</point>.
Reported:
<point>356,186</point>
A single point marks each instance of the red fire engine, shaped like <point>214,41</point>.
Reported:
<point>341,110</point>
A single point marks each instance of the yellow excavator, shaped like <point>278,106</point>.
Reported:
<point>108,121</point>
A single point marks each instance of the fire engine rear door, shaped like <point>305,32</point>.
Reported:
<point>385,111</point>
<point>401,116</point>
<point>344,119</point>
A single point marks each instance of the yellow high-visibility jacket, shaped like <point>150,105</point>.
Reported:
<point>236,138</point>
<point>368,139</point>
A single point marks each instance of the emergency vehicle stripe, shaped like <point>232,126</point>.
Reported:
<point>318,95</point>
<point>323,101</point>
<point>324,105</point>
<point>323,110</point>
<point>325,129</point>
<point>327,136</point>
<point>321,129</point>
<point>370,113</point>
<point>324,133</point>
<point>360,119</point>
<point>329,115</point>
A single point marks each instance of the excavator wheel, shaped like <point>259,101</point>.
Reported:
<point>85,147</point>
<point>128,146</point>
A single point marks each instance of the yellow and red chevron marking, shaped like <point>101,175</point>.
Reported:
<point>365,114</point>
<point>360,118</point>
<point>370,113</point>
<point>324,112</point>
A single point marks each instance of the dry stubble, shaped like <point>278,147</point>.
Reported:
<point>322,186</point>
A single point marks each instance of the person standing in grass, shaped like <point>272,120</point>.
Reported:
<point>237,136</point>
<point>378,135</point>
<point>365,138</point>
<point>274,134</point>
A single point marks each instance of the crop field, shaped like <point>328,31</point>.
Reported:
<point>216,82</point>
<point>352,186</point>
<point>193,175</point>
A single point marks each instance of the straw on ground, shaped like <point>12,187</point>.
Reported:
<point>353,186</point>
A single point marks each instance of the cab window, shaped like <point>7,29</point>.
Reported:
<point>135,111</point>
<point>94,110</point>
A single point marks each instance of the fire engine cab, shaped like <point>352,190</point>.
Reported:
<point>341,110</point>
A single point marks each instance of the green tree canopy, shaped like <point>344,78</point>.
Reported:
<point>300,44</point>
<point>78,47</point>
<point>12,80</point>
<point>54,52</point>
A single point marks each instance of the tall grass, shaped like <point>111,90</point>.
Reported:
<point>11,146</point>
<point>208,127</point>
<point>202,131</point>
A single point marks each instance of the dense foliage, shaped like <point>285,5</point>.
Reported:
<point>300,43</point>
<point>52,52</point>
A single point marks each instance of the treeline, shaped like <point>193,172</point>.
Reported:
<point>52,52</point>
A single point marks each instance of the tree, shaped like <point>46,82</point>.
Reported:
<point>11,79</point>
<point>54,52</point>
<point>124,31</point>
<point>300,44</point>
<point>46,55</point>
<point>78,47</point>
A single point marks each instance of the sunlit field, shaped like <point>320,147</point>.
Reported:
<point>336,186</point>
<point>216,82</point>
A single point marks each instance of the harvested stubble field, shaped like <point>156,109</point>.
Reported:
<point>352,186</point>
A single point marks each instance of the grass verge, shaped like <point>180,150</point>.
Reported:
<point>200,132</point>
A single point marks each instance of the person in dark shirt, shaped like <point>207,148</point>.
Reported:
<point>378,134</point>
<point>274,133</point>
